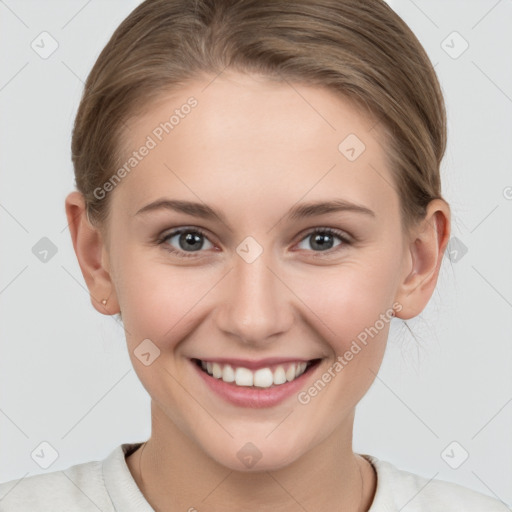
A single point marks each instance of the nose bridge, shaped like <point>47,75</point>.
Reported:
<point>255,307</point>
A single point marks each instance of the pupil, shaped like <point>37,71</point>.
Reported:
<point>194,241</point>
<point>322,244</point>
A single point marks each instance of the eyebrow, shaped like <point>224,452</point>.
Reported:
<point>301,211</point>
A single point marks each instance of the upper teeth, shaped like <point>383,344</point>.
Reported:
<point>261,378</point>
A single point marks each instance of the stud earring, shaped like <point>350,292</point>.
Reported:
<point>104,302</point>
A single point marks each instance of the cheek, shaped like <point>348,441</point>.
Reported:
<point>346,299</point>
<point>350,324</point>
<point>158,301</point>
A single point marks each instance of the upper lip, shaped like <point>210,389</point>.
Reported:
<point>256,364</point>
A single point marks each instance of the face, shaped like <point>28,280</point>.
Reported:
<point>250,280</point>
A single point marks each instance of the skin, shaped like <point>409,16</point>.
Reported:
<point>252,149</point>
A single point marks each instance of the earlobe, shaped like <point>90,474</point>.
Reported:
<point>90,251</point>
<point>425,252</point>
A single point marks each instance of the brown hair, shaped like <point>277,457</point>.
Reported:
<point>359,48</point>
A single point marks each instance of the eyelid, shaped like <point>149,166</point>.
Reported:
<point>171,232</point>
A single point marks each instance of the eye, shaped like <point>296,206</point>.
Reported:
<point>322,239</point>
<point>189,241</point>
<point>192,240</point>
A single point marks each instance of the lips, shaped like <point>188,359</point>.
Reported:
<point>255,384</point>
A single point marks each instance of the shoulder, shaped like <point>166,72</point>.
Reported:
<point>78,487</point>
<point>401,490</point>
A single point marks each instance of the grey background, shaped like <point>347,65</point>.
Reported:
<point>65,375</point>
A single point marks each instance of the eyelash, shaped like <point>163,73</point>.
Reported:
<point>198,231</point>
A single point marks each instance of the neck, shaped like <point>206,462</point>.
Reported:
<point>175,474</point>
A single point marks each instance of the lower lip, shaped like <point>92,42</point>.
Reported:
<point>253,397</point>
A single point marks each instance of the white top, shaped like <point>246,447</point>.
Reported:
<point>108,486</point>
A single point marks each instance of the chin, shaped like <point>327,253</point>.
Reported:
<point>247,456</point>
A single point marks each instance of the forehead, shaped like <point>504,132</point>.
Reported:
<point>237,137</point>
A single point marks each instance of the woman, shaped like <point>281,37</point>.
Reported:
<point>258,196</point>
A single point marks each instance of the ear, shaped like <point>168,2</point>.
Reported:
<point>92,255</point>
<point>425,249</point>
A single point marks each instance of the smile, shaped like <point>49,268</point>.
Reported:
<point>255,384</point>
<point>265,377</point>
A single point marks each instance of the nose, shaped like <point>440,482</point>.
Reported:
<point>255,306</point>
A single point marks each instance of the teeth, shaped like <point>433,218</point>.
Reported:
<point>243,377</point>
<point>217,370</point>
<point>262,378</point>
<point>228,375</point>
<point>279,375</point>
<point>290,373</point>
